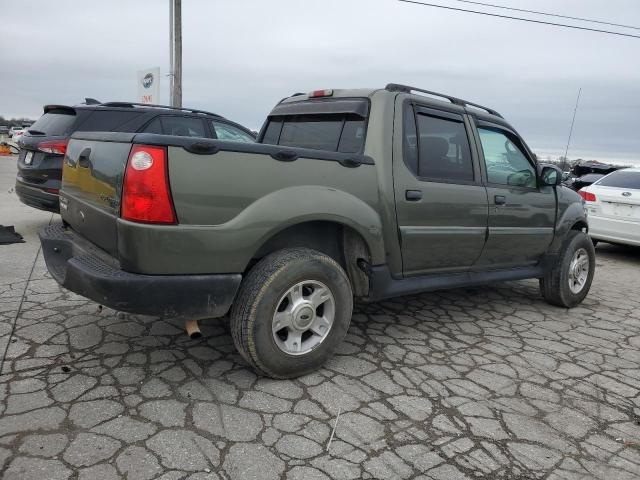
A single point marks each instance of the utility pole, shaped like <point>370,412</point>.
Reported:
<point>170,52</point>
<point>176,47</point>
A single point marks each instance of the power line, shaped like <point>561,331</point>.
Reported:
<point>520,19</point>
<point>590,20</point>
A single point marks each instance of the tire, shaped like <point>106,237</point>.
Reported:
<point>285,283</point>
<point>555,285</point>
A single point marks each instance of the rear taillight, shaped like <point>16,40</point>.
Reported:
<point>587,196</point>
<point>56,146</point>
<point>146,196</point>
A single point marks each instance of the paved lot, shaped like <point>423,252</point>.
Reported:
<point>483,383</point>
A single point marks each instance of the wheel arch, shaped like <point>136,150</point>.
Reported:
<point>572,218</point>
<point>338,239</point>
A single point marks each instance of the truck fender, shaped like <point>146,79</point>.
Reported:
<point>291,206</point>
<point>571,216</point>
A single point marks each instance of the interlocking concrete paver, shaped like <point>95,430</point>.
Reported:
<point>488,382</point>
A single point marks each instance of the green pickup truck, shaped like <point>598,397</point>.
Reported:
<point>348,194</point>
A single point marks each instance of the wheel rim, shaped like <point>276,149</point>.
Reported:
<point>578,270</point>
<point>303,317</point>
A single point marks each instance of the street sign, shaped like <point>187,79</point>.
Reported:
<point>149,85</point>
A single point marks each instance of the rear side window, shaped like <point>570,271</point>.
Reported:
<point>343,133</point>
<point>183,126</point>
<point>442,147</point>
<point>621,179</point>
<point>55,123</point>
<point>107,121</point>
<point>154,127</point>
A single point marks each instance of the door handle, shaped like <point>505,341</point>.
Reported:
<point>500,200</point>
<point>413,195</point>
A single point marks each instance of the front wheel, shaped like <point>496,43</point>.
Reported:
<point>569,281</point>
<point>292,311</point>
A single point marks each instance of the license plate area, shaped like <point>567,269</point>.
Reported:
<point>28,158</point>
<point>624,210</point>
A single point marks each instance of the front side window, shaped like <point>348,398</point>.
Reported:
<point>443,149</point>
<point>334,133</point>
<point>505,161</point>
<point>225,131</point>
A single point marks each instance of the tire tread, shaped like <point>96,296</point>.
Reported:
<point>256,283</point>
<point>552,286</point>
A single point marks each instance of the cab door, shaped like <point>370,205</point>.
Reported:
<point>521,211</point>
<point>441,204</point>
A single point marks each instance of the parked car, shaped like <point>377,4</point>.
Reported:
<point>587,172</point>
<point>613,203</point>
<point>15,133</point>
<point>4,130</point>
<point>45,143</point>
<point>369,194</point>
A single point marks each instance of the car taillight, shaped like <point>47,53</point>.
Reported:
<point>56,146</point>
<point>587,196</point>
<point>146,196</point>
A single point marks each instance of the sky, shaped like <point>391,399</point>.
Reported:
<point>240,57</point>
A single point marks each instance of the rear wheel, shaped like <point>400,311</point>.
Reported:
<point>569,281</point>
<point>292,311</point>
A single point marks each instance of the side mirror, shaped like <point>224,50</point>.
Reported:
<point>551,175</point>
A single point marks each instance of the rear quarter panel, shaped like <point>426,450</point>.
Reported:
<point>229,203</point>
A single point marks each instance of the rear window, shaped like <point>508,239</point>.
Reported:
<point>343,133</point>
<point>621,179</point>
<point>54,123</point>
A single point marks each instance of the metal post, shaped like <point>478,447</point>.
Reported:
<point>171,52</point>
<point>177,51</point>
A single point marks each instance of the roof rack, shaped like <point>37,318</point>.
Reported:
<point>395,87</point>
<point>153,105</point>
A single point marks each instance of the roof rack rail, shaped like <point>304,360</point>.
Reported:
<point>395,87</point>
<point>153,105</point>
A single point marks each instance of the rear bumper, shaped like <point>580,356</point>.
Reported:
<point>79,266</point>
<point>613,230</point>
<point>37,198</point>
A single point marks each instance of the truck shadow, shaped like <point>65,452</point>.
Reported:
<point>624,253</point>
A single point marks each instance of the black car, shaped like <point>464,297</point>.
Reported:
<point>44,144</point>
<point>587,172</point>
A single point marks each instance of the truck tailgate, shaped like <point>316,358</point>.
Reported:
<point>92,178</point>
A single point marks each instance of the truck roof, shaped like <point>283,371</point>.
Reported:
<point>435,98</point>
